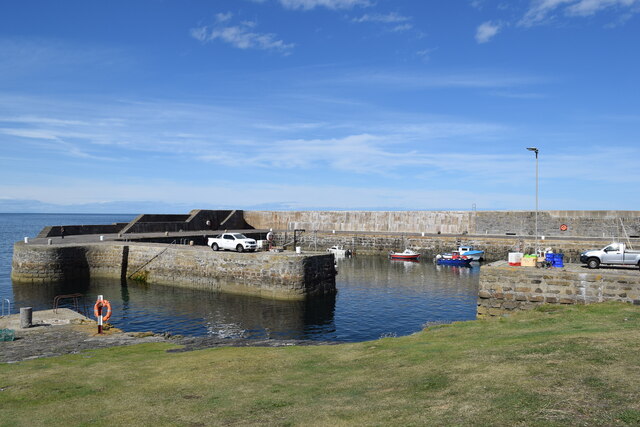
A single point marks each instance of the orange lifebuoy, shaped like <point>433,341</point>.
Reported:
<point>104,304</point>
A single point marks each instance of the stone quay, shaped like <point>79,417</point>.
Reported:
<point>504,289</point>
<point>284,275</point>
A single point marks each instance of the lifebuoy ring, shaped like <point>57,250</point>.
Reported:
<point>564,227</point>
<point>104,304</point>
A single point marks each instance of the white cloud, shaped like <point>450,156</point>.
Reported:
<point>474,79</point>
<point>486,31</point>
<point>541,11</point>
<point>389,18</point>
<point>589,7</point>
<point>240,36</point>
<point>224,17</point>
<point>329,4</point>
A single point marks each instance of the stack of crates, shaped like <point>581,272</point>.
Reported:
<point>556,260</point>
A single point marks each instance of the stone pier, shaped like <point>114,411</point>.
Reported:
<point>283,275</point>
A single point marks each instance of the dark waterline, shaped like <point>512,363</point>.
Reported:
<point>376,297</point>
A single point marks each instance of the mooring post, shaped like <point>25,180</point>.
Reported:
<point>26,317</point>
<point>100,298</point>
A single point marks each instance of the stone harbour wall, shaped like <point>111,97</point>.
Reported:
<point>504,288</point>
<point>273,275</point>
<point>496,248</point>
<point>600,224</point>
<point>446,222</point>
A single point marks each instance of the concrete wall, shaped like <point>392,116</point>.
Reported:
<point>579,223</point>
<point>198,219</point>
<point>504,289</point>
<point>285,276</point>
<point>70,230</point>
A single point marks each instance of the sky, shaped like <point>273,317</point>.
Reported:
<point>166,106</point>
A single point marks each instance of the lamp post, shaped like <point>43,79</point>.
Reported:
<point>535,150</point>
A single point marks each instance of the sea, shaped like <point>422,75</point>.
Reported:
<point>377,297</point>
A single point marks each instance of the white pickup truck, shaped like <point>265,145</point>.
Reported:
<point>614,254</point>
<point>233,242</point>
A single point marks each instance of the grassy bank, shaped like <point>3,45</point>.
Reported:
<point>571,366</point>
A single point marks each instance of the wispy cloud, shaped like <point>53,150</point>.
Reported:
<point>25,55</point>
<point>241,36</point>
<point>476,79</point>
<point>486,31</point>
<point>543,11</point>
<point>393,21</point>
<point>329,4</point>
<point>389,18</point>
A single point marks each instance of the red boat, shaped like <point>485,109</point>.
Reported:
<point>408,254</point>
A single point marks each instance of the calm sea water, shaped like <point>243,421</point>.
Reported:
<point>376,296</point>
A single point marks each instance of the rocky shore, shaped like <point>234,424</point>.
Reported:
<point>68,332</point>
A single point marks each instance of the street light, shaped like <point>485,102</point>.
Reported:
<point>535,150</point>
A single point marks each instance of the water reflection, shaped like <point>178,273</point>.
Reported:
<point>375,297</point>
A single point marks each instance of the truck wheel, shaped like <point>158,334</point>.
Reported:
<point>239,248</point>
<point>593,263</point>
<point>215,247</point>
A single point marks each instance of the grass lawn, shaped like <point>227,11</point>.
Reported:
<point>576,365</point>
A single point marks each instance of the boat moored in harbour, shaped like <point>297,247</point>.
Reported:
<point>470,252</point>
<point>407,255</point>
<point>339,251</point>
<point>454,258</point>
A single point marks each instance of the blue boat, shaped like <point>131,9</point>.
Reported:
<point>454,258</point>
<point>464,262</point>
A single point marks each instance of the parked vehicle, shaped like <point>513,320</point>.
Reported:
<point>613,254</point>
<point>233,242</point>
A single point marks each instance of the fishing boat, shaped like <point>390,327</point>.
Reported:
<point>407,255</point>
<point>454,258</point>
<point>470,252</point>
<point>467,251</point>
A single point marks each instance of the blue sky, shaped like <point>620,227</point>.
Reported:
<point>319,104</point>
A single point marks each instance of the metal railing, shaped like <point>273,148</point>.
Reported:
<point>6,302</point>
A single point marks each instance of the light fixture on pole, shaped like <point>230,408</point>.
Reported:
<point>535,150</point>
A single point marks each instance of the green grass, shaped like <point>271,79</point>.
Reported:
<point>573,366</point>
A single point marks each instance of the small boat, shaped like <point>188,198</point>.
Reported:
<point>454,258</point>
<point>469,252</point>
<point>407,255</point>
<point>465,262</point>
<point>339,251</point>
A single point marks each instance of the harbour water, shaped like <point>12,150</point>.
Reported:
<point>376,297</point>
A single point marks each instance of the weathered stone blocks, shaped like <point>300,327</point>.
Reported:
<point>273,275</point>
<point>505,288</point>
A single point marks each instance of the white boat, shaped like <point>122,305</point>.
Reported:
<point>466,251</point>
<point>469,252</point>
<point>407,255</point>
<point>339,251</point>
